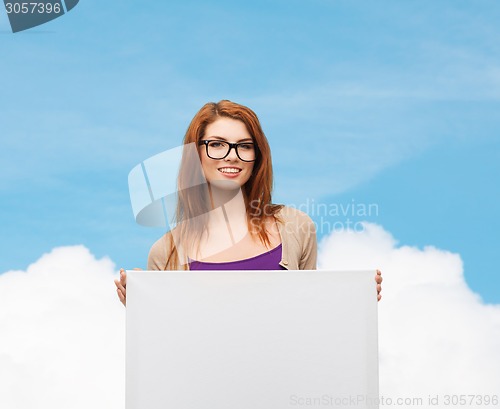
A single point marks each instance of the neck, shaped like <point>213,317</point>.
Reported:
<point>231,200</point>
<point>230,212</point>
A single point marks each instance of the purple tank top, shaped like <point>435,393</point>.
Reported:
<point>270,260</point>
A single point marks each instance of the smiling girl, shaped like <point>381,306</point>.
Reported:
<point>230,222</point>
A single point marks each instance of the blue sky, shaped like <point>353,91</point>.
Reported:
<point>388,102</point>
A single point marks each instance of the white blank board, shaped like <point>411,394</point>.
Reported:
<point>251,339</point>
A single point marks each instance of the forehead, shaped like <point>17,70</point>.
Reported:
<point>228,128</point>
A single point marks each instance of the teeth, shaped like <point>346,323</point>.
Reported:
<point>229,170</point>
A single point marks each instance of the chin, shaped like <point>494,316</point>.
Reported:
<point>225,184</point>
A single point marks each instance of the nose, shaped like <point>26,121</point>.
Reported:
<point>231,156</point>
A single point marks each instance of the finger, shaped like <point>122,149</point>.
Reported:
<point>123,277</point>
<point>120,287</point>
<point>379,297</point>
<point>379,288</point>
<point>121,296</point>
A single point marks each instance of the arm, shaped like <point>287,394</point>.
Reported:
<point>309,246</point>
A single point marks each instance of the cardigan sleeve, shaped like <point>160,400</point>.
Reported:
<point>298,233</point>
<point>309,255</point>
<point>157,258</point>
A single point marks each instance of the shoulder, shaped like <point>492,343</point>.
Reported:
<point>295,223</point>
<point>158,254</point>
<point>160,244</point>
<point>291,217</point>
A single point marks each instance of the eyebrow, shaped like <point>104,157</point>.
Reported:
<point>220,138</point>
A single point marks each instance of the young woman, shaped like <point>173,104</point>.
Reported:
<point>229,222</point>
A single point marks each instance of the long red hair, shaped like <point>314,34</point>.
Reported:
<point>193,197</point>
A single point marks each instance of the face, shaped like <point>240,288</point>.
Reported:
<point>230,172</point>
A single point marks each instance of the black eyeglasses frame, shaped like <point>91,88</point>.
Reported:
<point>231,146</point>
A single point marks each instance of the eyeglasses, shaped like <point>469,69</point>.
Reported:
<point>220,149</point>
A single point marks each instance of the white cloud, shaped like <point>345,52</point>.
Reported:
<point>62,334</point>
<point>62,328</point>
<point>435,335</point>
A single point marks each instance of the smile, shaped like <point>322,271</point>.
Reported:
<point>229,170</point>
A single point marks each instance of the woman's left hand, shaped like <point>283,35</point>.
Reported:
<point>378,280</point>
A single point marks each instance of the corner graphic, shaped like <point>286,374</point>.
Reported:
<point>24,15</point>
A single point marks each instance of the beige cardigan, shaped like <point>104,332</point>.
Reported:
<point>298,238</point>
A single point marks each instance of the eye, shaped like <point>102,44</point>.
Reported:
<point>246,146</point>
<point>216,144</point>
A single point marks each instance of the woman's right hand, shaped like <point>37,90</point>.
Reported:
<point>121,285</point>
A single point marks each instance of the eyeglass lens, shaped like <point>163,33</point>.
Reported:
<point>220,149</point>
